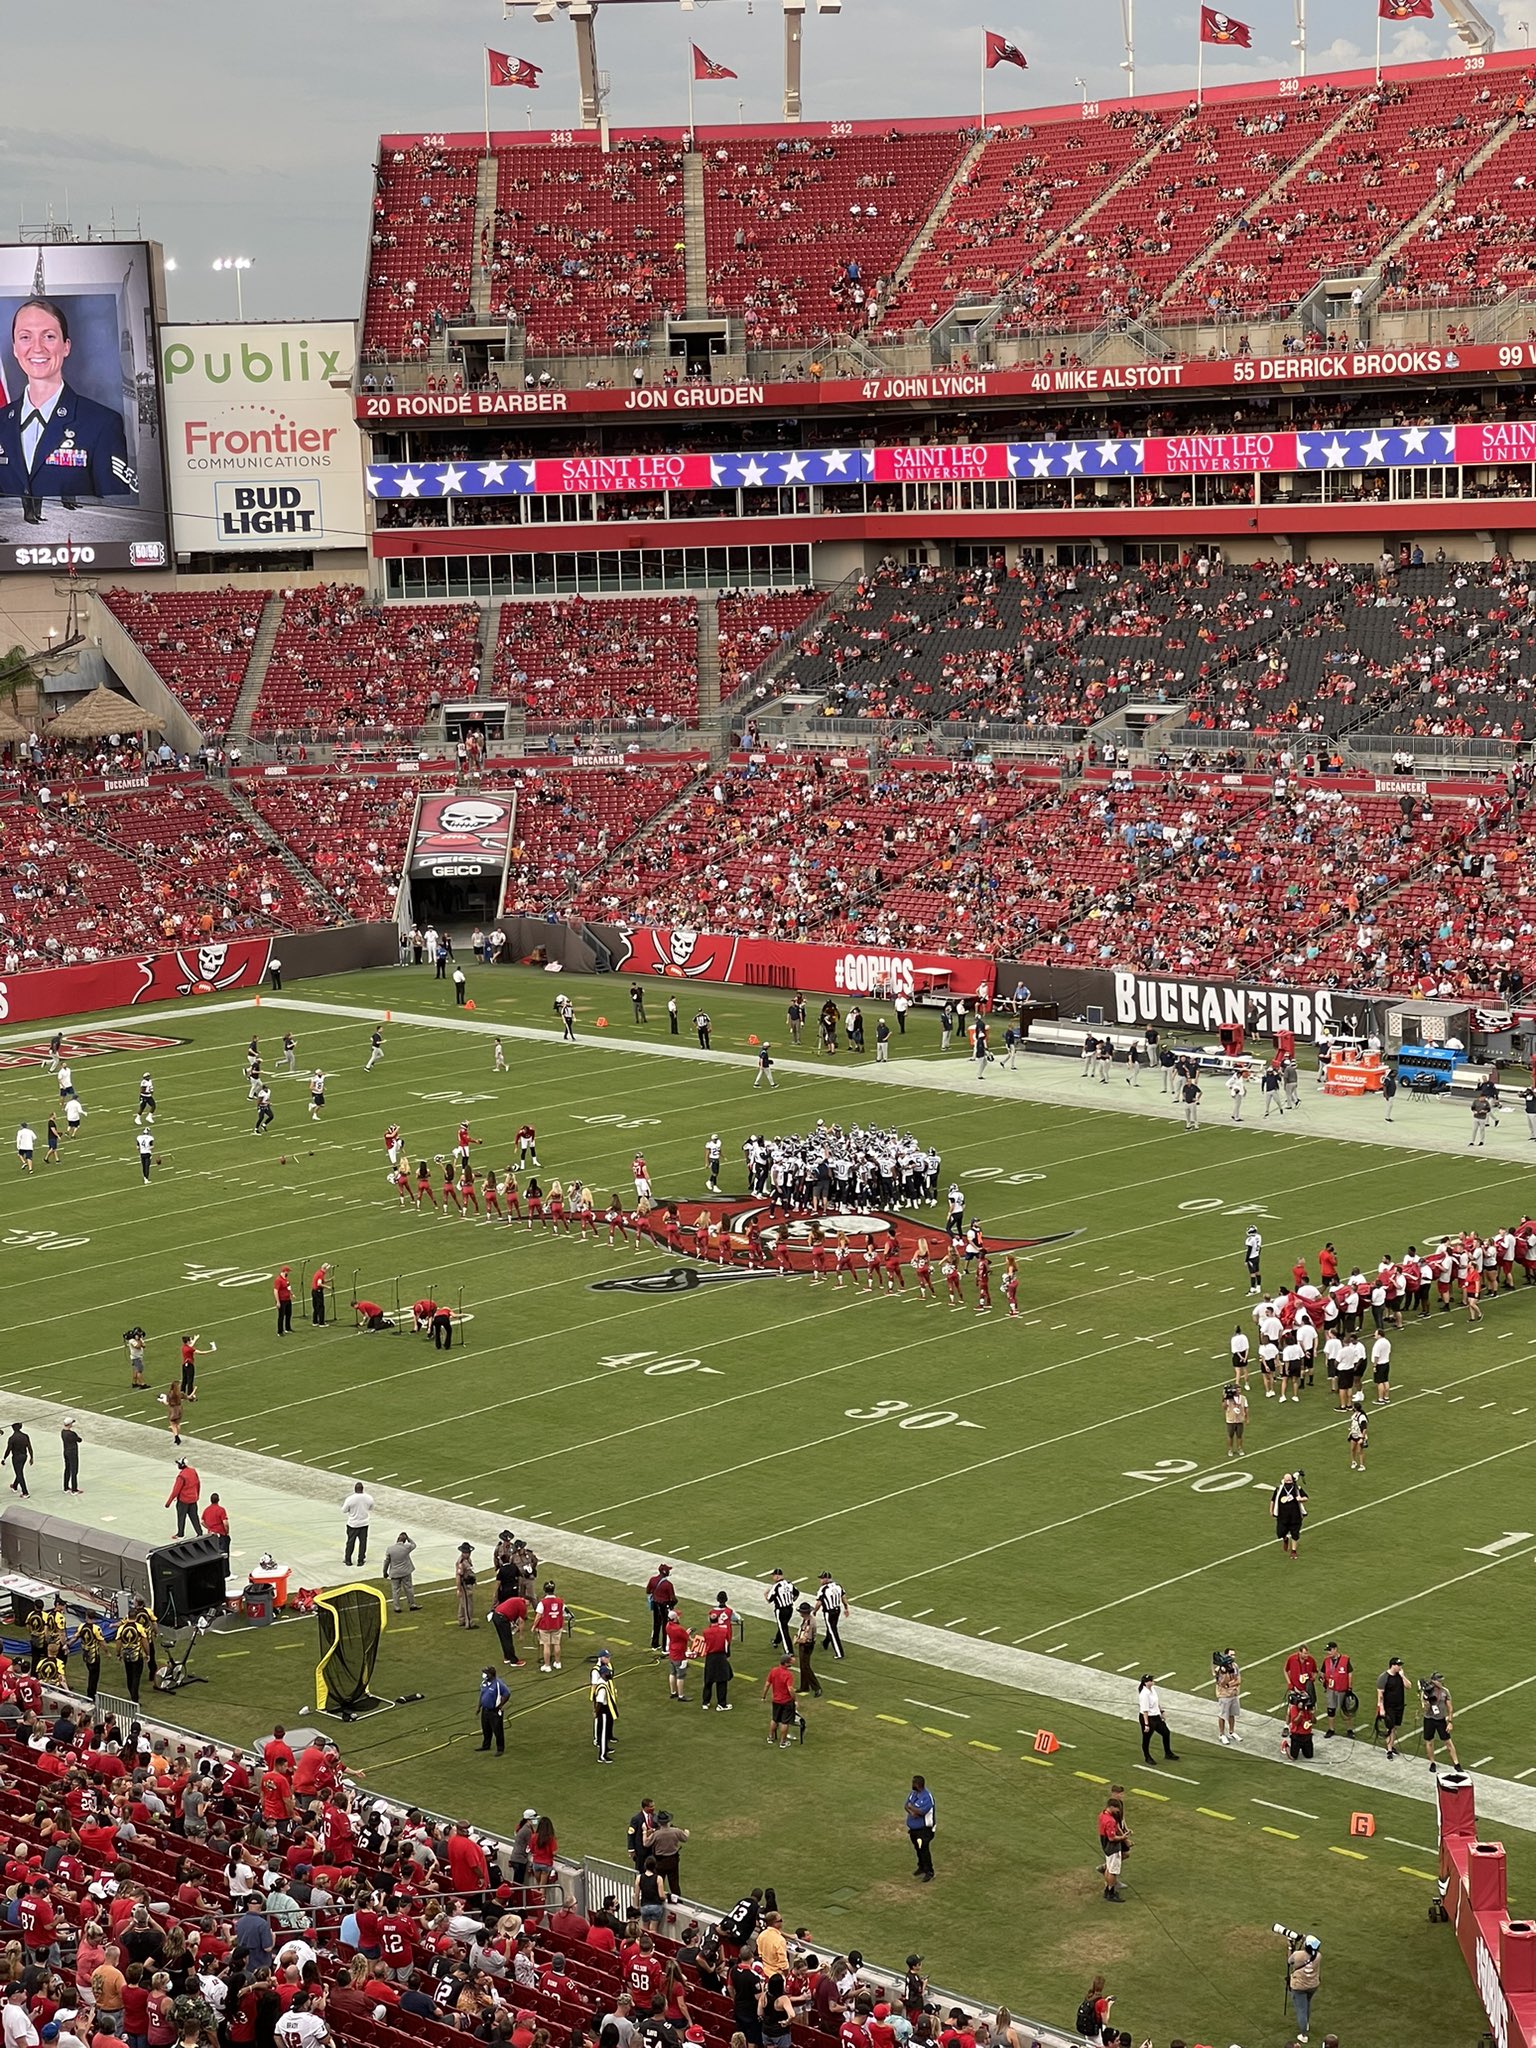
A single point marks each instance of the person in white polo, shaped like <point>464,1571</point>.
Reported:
<point>357,1512</point>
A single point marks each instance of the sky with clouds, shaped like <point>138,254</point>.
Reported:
<point>227,130</point>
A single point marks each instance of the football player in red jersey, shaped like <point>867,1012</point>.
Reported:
<point>394,1144</point>
<point>527,1146</point>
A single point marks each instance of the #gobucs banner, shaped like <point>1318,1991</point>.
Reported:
<point>1225,30</point>
<point>678,954</point>
<point>856,1227</point>
<point>141,978</point>
<point>462,835</point>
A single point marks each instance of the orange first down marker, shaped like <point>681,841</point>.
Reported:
<point>1362,1823</point>
<point>1045,1743</point>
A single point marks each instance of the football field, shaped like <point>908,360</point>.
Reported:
<point>1056,1484</point>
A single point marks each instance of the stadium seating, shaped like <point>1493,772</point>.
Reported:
<point>197,641</point>
<point>804,233</point>
<point>341,665</point>
<point>753,627</point>
<point>1479,237</point>
<point>420,260</point>
<point>586,248</point>
<point>570,822</point>
<point>141,868</point>
<point>352,832</point>
<point>619,661</point>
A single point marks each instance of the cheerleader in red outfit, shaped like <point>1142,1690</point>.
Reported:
<point>818,1256</point>
<point>510,1195</point>
<point>535,1196</point>
<point>842,1252</point>
<point>469,1194</point>
<point>922,1268</point>
<point>871,1267</point>
<point>425,1192</point>
<point>492,1195</point>
<point>756,1256</point>
<point>951,1271</point>
<point>781,1249</point>
<point>554,1208</point>
<point>983,1284</point>
<point>450,1189</point>
<point>402,1180</point>
<point>895,1278</point>
<point>614,1218</point>
<point>586,1214</point>
<point>1011,1284</point>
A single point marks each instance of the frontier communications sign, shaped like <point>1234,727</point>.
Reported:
<point>262,449</point>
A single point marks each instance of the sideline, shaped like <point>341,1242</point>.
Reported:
<point>295,1510</point>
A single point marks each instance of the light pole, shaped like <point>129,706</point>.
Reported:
<point>1082,86</point>
<point>238,264</point>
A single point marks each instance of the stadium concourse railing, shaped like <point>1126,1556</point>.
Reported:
<point>586,1882</point>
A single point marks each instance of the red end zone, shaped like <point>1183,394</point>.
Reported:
<point>84,1045</point>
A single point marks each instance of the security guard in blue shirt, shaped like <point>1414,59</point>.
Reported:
<point>54,442</point>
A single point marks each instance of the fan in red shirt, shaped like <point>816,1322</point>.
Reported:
<point>316,1770</point>
<point>468,1870</point>
<point>397,1939</point>
<point>643,1976</point>
<point>275,1751</point>
<point>276,1792</point>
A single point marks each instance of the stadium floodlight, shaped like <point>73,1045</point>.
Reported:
<point>829,6</point>
<point>1470,26</point>
<point>239,265</point>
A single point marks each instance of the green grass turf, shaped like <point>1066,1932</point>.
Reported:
<point>1086,1510</point>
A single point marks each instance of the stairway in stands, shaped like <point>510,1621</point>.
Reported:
<point>256,668</point>
<point>708,663</point>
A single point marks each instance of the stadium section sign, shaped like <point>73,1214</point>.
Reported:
<point>261,445</point>
<point>82,481</point>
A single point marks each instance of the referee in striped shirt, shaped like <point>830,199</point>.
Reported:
<point>781,1597</point>
<point>831,1605</point>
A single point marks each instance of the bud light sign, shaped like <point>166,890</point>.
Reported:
<point>244,512</point>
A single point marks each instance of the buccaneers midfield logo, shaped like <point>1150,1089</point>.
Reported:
<point>856,1227</point>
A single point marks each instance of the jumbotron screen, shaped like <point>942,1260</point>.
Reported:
<point>82,464</point>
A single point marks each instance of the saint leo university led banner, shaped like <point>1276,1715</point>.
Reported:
<point>1343,448</point>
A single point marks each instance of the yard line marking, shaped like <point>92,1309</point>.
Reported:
<point>895,1720</point>
<point>847,1705</point>
<point>1086,1333</point>
<point>921,1612</point>
<point>1092,1656</point>
<point>733,1567</point>
<point>1284,1833</point>
<point>490,1503</point>
<point>1494,1404</point>
<point>990,1630</point>
<point>1299,1812</point>
<point>944,1734</point>
<point>929,1708</point>
<point>1163,1771</point>
<point>1478,1762</point>
<point>362,1471</point>
<point>1128,1667</point>
<point>1519,1411</point>
<point>1159,1676</point>
<point>1529,1772</point>
<point>956,1622</point>
<point>887,1605</point>
<point>1418,1848</point>
<point>1211,1813</point>
<point>619,1535</point>
<point>1140,1792</point>
<point>1429,1876</point>
<point>1092,1777</point>
<point>1455,1397</point>
<point>1358,1855</point>
<point>994,1747</point>
<point>1044,1762</point>
<point>1056,1646</point>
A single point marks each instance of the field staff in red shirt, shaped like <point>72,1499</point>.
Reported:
<point>549,1627</point>
<point>779,1687</point>
<point>282,1294</point>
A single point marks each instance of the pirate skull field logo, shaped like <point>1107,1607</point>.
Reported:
<point>726,1237</point>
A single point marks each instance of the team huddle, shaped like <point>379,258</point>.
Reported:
<point>827,1167</point>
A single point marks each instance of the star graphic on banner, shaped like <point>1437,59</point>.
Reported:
<point>1335,452</point>
<point>1109,453</point>
<point>528,473</point>
<point>1138,454</point>
<point>410,483</point>
<point>1013,461</point>
<point>1448,439</point>
<point>716,470</point>
<point>375,480</point>
<point>752,471</point>
<point>1074,461</point>
<point>493,472</point>
<point>1413,440</point>
<point>452,480</point>
<point>836,460</point>
<point>1040,462</point>
<point>1375,449</point>
<point>795,468</point>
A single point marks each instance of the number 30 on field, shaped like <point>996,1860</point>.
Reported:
<point>910,1418</point>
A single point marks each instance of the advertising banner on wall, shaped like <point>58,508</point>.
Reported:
<point>82,474</point>
<point>262,449</point>
<point>1188,1005</point>
<point>678,954</point>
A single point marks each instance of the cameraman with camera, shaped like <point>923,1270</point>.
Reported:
<point>1229,1686</point>
<point>1301,1974</point>
<point>1435,1697</point>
